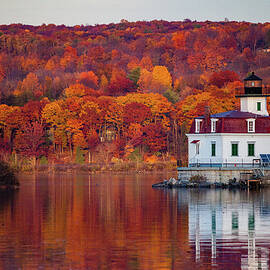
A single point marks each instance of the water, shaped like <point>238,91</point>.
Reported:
<point>120,222</point>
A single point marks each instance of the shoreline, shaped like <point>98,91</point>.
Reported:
<point>125,168</point>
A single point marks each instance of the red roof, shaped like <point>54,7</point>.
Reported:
<point>233,122</point>
<point>234,114</point>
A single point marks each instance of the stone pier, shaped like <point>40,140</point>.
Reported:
<point>220,174</point>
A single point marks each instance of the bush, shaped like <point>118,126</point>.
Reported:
<point>7,175</point>
<point>79,156</point>
<point>197,178</point>
<point>135,156</point>
<point>43,161</point>
<point>26,165</point>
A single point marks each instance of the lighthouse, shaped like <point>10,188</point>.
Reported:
<point>238,138</point>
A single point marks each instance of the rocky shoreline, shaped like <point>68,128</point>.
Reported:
<point>173,183</point>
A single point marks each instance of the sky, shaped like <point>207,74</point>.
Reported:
<point>76,12</point>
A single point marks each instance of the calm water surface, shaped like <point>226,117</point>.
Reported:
<point>120,222</point>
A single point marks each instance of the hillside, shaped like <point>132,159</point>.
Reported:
<point>124,91</point>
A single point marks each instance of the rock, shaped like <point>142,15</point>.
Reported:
<point>234,185</point>
<point>218,185</point>
<point>183,183</point>
<point>204,185</point>
<point>172,182</point>
<point>157,185</point>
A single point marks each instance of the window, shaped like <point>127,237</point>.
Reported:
<point>251,125</point>
<point>251,149</point>
<point>213,149</point>
<point>259,106</point>
<point>197,148</point>
<point>235,220</point>
<point>197,125</point>
<point>234,149</point>
<point>214,125</point>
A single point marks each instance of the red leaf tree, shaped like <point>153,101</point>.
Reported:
<point>221,78</point>
<point>30,140</point>
<point>92,140</point>
<point>136,113</point>
<point>154,137</point>
<point>120,84</point>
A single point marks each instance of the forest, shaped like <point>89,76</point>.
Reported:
<point>119,92</point>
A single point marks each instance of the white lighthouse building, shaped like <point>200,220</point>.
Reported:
<point>233,138</point>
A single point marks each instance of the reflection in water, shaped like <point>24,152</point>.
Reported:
<point>7,197</point>
<point>198,249</point>
<point>120,222</point>
<point>236,226</point>
<point>214,240</point>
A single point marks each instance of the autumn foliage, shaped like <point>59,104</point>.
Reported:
<point>120,88</point>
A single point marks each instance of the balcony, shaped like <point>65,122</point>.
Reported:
<point>240,92</point>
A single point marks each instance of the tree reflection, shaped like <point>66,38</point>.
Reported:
<point>120,222</point>
<point>7,198</point>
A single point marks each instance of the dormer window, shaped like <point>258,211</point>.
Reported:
<point>214,125</point>
<point>250,125</point>
<point>198,125</point>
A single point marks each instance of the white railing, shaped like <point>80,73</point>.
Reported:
<point>224,162</point>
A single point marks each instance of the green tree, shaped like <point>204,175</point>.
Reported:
<point>172,96</point>
<point>134,75</point>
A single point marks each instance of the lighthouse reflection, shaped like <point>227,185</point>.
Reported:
<point>228,227</point>
<point>214,239</point>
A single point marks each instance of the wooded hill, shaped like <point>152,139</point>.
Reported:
<point>120,91</point>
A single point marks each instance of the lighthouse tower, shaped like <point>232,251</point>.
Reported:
<point>253,100</point>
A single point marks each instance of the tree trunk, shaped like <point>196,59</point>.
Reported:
<point>89,157</point>
<point>34,161</point>
<point>70,147</point>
